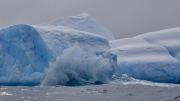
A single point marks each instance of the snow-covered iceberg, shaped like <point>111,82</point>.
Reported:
<point>54,55</point>
<point>82,22</point>
<point>152,56</point>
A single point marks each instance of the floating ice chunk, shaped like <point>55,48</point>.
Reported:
<point>5,93</point>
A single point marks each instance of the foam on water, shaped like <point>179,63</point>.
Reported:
<point>5,93</point>
<point>129,80</point>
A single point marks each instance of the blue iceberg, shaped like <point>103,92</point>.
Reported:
<point>53,55</point>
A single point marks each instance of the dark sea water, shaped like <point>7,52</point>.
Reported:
<point>119,89</point>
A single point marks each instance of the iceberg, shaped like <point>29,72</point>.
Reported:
<point>152,56</point>
<point>55,55</point>
<point>83,57</point>
<point>77,50</point>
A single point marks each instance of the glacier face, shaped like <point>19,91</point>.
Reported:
<point>34,55</point>
<point>82,22</point>
<point>153,56</point>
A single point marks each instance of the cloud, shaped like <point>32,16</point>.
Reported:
<point>124,18</point>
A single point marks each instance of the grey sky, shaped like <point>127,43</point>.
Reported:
<point>124,18</point>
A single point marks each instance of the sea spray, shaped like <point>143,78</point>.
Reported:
<point>78,67</point>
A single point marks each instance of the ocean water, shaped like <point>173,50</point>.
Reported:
<point>123,88</point>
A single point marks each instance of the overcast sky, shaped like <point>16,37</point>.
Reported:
<point>124,18</point>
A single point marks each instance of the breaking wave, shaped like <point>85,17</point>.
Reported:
<point>78,67</point>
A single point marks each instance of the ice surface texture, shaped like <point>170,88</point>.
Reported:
<point>53,55</point>
<point>23,56</point>
<point>153,56</point>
